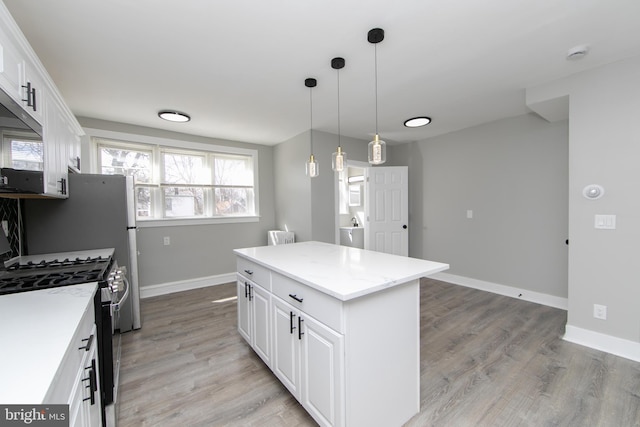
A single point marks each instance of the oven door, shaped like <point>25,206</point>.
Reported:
<point>117,296</point>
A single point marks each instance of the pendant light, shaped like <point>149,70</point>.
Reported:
<point>311,166</point>
<point>339,158</point>
<point>377,148</point>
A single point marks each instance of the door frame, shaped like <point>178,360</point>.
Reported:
<point>336,195</point>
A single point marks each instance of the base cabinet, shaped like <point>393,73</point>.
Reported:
<point>349,363</point>
<point>308,358</point>
<point>84,403</point>
<point>254,317</point>
<point>77,382</point>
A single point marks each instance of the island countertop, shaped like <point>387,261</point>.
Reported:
<point>340,271</point>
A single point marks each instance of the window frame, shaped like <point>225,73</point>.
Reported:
<point>157,146</point>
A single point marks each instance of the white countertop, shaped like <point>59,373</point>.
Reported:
<point>340,271</point>
<point>36,328</point>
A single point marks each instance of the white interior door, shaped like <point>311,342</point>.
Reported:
<point>386,210</point>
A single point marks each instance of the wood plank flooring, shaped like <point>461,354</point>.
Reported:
<point>486,360</point>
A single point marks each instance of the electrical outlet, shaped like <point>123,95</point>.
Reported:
<point>167,240</point>
<point>600,311</point>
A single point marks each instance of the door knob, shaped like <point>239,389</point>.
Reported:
<point>404,226</point>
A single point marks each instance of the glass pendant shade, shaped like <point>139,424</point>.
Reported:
<point>312,168</point>
<point>377,151</point>
<point>377,148</point>
<point>338,160</point>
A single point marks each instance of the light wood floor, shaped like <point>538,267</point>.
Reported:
<point>486,360</point>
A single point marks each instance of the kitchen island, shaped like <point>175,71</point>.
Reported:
<point>338,326</point>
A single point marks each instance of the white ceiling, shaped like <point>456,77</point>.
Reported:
<point>238,66</point>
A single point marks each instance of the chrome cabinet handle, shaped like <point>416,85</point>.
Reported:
<point>249,272</point>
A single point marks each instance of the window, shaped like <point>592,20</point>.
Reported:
<point>23,151</point>
<point>175,183</point>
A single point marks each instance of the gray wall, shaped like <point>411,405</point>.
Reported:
<point>197,251</point>
<point>604,149</point>
<point>513,175</point>
<point>305,205</point>
<point>292,187</point>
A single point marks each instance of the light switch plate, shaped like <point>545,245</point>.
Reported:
<point>605,222</point>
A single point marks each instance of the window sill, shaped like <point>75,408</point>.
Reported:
<point>181,222</point>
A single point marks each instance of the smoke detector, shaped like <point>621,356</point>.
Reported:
<point>577,52</point>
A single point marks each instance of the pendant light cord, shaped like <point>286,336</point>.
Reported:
<point>375,55</point>
<point>311,120</point>
<point>338,107</point>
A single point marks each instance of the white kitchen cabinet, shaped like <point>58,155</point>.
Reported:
<point>84,402</point>
<point>33,92</point>
<point>345,329</point>
<point>19,77</point>
<point>244,310</point>
<point>286,350</point>
<point>55,151</point>
<point>52,329</point>
<point>308,360</point>
<point>254,313</point>
<point>23,77</point>
<point>77,379</point>
<point>11,66</point>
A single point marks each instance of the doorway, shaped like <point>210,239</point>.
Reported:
<point>372,208</point>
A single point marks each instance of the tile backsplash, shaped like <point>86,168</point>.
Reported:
<point>10,212</point>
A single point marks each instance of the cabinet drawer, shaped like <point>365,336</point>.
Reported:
<point>321,306</point>
<point>85,336</point>
<point>254,272</point>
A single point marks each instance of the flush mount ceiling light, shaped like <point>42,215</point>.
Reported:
<point>377,148</point>
<point>416,122</point>
<point>174,116</point>
<point>312,169</point>
<point>593,191</point>
<point>339,158</point>
<point>577,52</point>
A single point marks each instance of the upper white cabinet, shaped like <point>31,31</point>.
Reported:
<point>55,150</point>
<point>25,80</point>
<point>11,65</point>
<point>19,77</point>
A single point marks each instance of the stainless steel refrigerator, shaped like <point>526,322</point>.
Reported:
<point>99,213</point>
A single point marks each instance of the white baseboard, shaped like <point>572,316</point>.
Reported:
<point>523,294</point>
<point>185,285</point>
<point>607,343</point>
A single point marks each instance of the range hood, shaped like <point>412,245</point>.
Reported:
<point>17,182</point>
<point>16,123</point>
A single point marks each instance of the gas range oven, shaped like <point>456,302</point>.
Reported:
<point>34,272</point>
